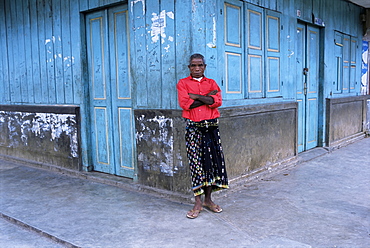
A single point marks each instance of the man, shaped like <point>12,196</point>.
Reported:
<point>199,97</point>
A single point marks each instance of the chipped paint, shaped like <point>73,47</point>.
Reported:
<point>133,2</point>
<point>155,136</point>
<point>214,35</point>
<point>68,61</point>
<point>167,48</point>
<point>158,27</point>
<point>193,5</point>
<point>22,127</point>
<point>171,15</point>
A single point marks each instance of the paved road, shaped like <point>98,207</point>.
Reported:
<point>324,202</point>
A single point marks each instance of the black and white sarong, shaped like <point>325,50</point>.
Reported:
<point>206,159</point>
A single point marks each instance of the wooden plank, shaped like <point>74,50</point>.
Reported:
<point>220,27</point>
<point>94,4</point>
<point>198,27</point>
<point>306,10</point>
<point>288,34</point>
<point>66,53</point>
<point>168,58</point>
<point>21,65</point>
<point>4,68</point>
<point>271,4</point>
<point>155,18</point>
<point>138,51</point>
<point>35,55</point>
<point>183,46</point>
<point>346,18</point>
<point>28,52</point>
<point>42,52</point>
<point>83,4</point>
<point>58,52</point>
<point>211,10</point>
<point>75,60</point>
<point>15,87</point>
<point>50,40</point>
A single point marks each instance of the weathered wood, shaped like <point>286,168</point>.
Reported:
<point>138,52</point>
<point>66,54</point>
<point>4,67</point>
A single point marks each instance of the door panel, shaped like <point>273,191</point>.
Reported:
<point>255,41</point>
<point>301,63</point>
<point>99,91</point>
<point>101,138</point>
<point>307,85</point>
<point>121,92</point>
<point>273,54</point>
<point>312,79</point>
<point>234,57</point>
<point>110,91</point>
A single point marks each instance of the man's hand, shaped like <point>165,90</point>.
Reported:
<point>197,97</point>
<point>194,96</point>
<point>213,92</point>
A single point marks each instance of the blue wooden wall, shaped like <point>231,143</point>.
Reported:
<point>43,47</point>
<point>41,52</point>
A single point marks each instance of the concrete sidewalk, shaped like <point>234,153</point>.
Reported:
<point>324,202</point>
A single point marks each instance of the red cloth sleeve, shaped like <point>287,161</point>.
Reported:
<point>217,98</point>
<point>184,99</point>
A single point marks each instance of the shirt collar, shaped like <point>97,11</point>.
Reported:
<point>201,79</point>
<point>198,79</point>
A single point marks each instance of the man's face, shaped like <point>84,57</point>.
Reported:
<point>197,68</point>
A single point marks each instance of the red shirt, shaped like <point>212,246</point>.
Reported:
<point>204,112</point>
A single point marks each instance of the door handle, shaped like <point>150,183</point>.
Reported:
<point>305,71</point>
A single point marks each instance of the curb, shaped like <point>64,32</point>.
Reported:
<point>33,229</point>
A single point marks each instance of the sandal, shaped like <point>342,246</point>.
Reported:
<point>214,208</point>
<point>192,214</point>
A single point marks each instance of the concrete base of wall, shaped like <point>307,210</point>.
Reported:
<point>255,139</point>
<point>345,120</point>
<point>42,134</point>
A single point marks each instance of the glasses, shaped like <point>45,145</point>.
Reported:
<point>195,65</point>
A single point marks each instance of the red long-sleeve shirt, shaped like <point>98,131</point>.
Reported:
<point>204,112</point>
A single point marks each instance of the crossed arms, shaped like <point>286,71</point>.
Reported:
<point>200,100</point>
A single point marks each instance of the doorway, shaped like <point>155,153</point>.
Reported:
<point>109,85</point>
<point>308,68</point>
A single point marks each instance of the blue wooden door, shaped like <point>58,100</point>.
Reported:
<point>307,85</point>
<point>110,91</point>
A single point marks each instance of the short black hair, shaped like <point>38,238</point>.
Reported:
<point>197,56</point>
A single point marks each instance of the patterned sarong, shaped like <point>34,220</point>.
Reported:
<point>206,159</point>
